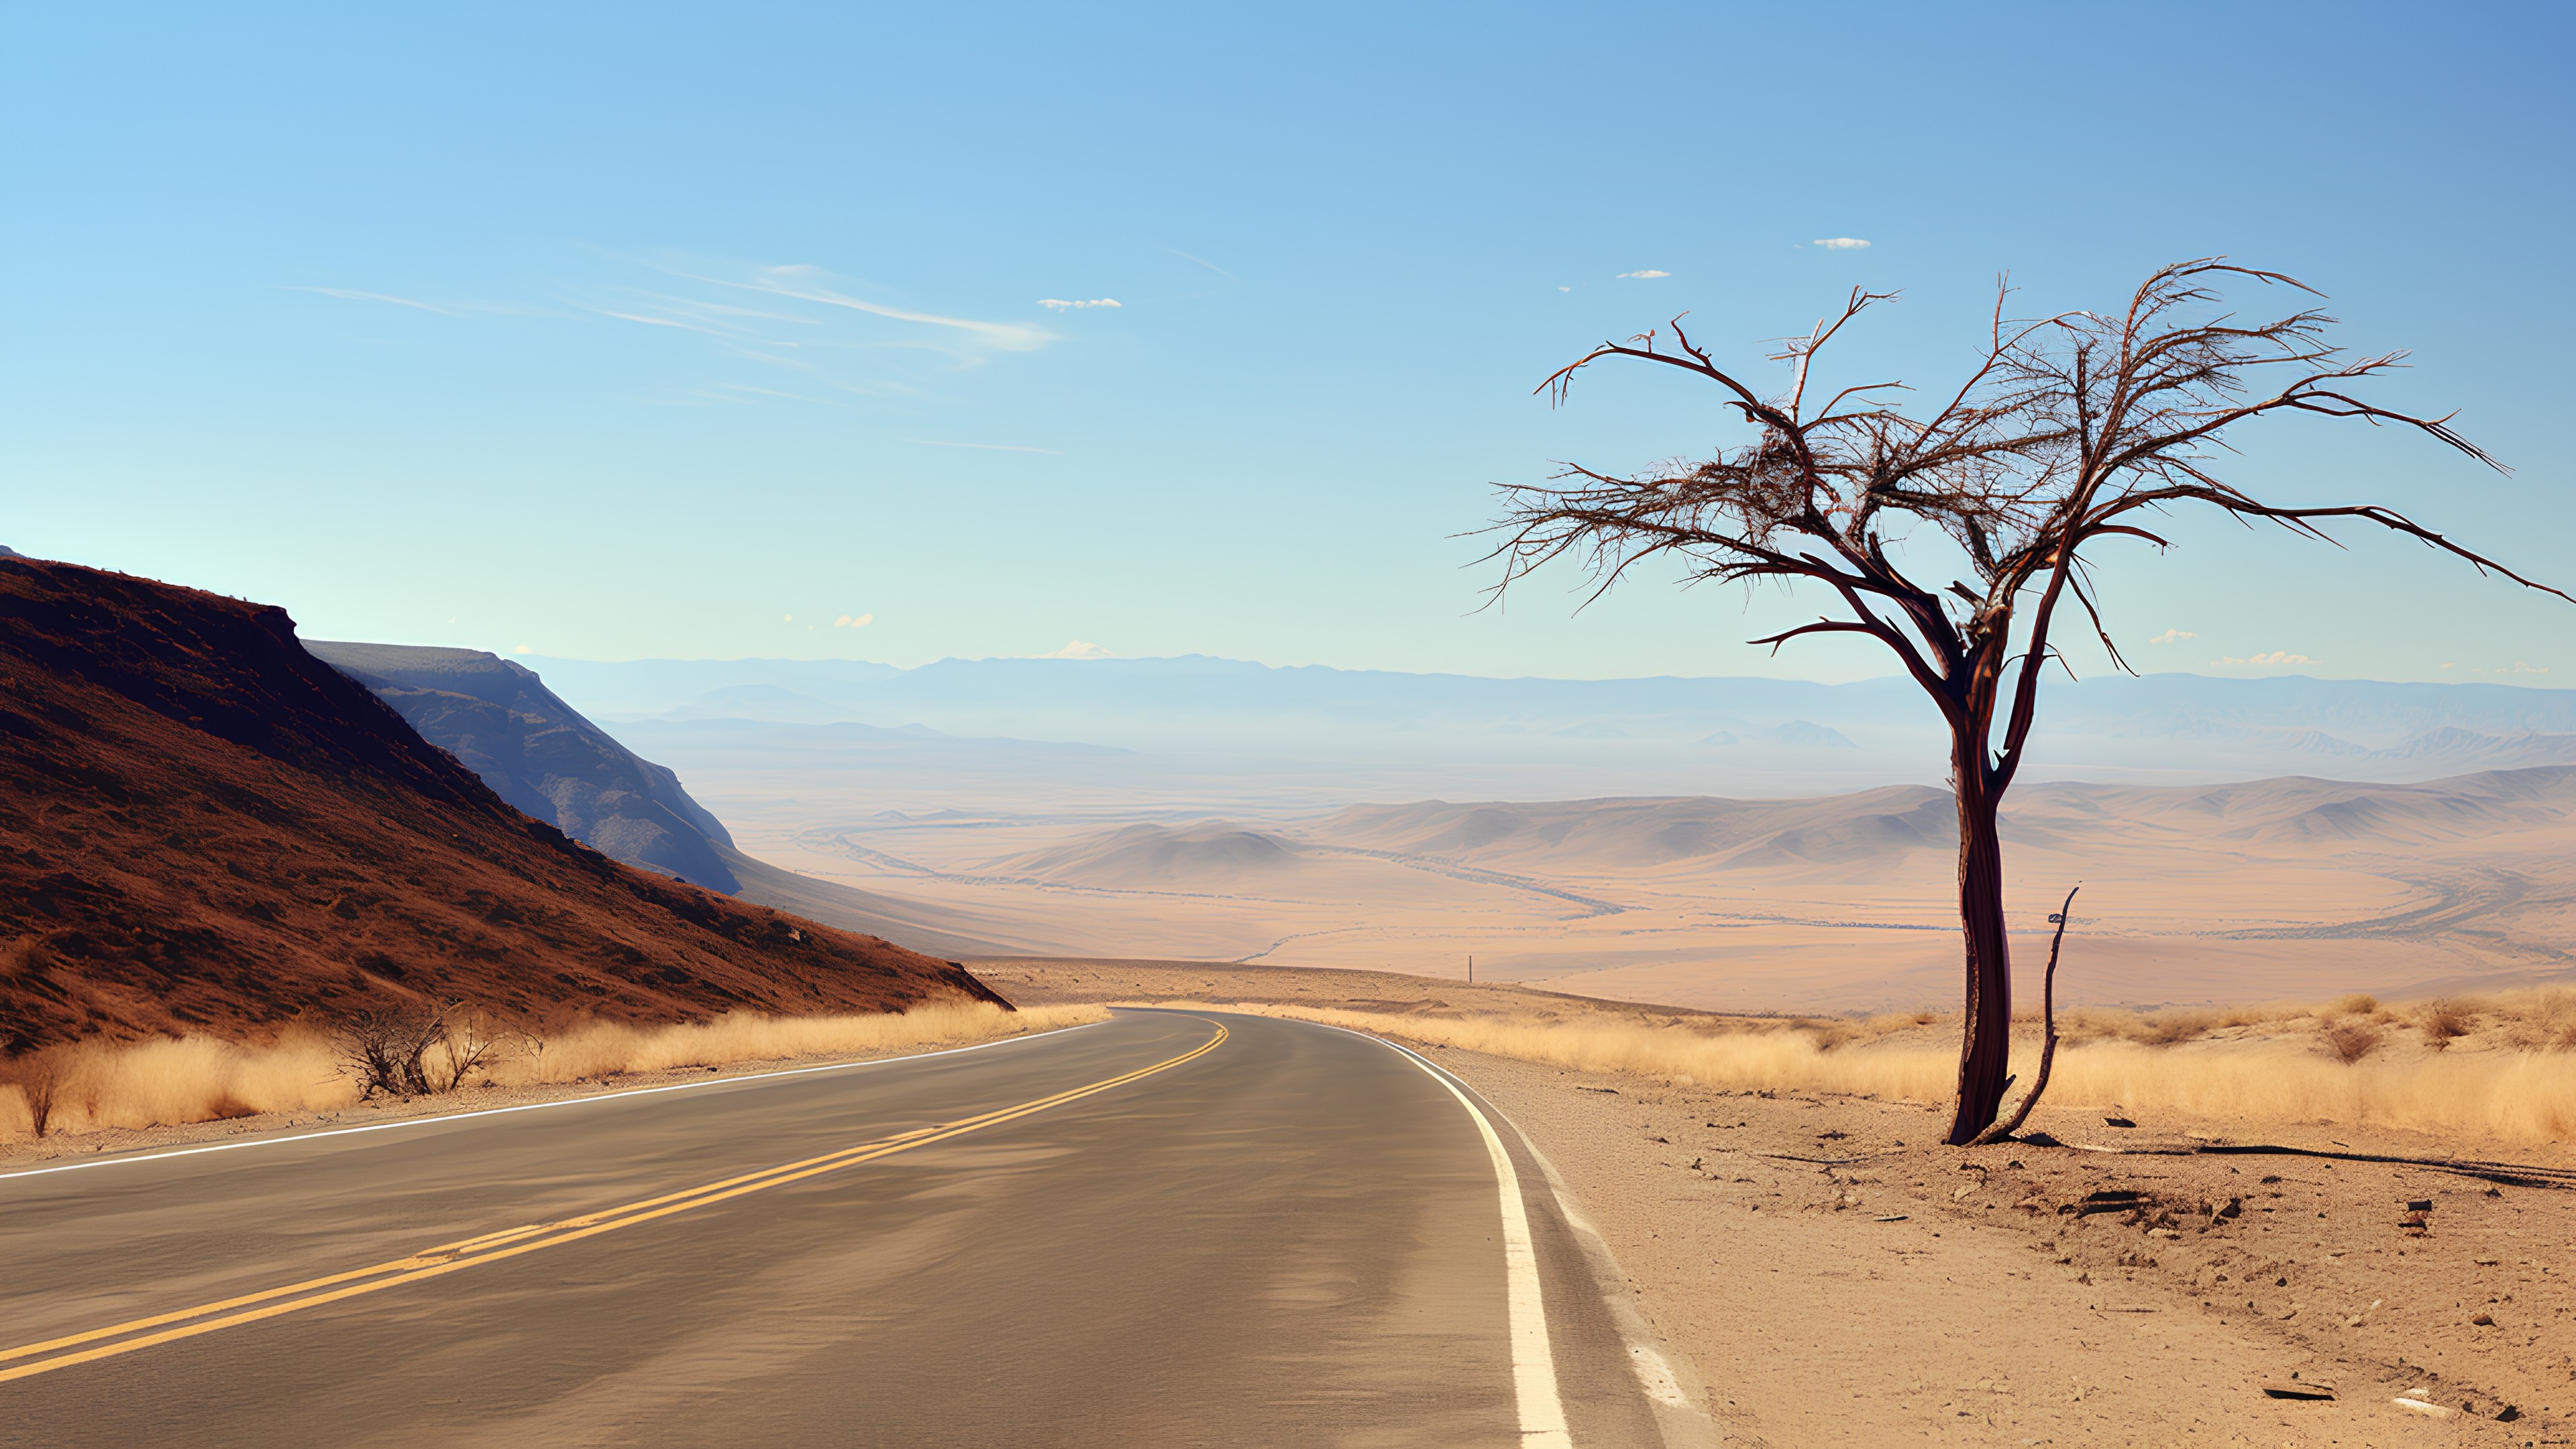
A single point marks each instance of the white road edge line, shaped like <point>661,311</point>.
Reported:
<point>1533,1360</point>
<point>1680,1419</point>
<point>435,1118</point>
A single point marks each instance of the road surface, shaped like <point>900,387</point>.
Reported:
<point>1170,1229</point>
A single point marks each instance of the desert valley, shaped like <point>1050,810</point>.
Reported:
<point>1710,727</point>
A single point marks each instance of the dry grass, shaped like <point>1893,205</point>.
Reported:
<point>199,1079</point>
<point>2277,1064</point>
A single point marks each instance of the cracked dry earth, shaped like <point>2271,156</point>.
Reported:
<point>1837,1277</point>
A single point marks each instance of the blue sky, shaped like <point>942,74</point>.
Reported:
<point>616,332</point>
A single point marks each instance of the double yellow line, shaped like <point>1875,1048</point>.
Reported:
<point>140,1333</point>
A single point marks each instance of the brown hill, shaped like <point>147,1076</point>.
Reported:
<point>1147,857</point>
<point>204,828</point>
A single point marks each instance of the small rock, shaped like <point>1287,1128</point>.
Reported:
<point>2484,1320</point>
<point>2420,1205</point>
<point>2118,1122</point>
<point>2297,1390</point>
<point>2508,1414</point>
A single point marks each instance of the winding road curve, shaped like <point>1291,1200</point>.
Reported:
<point>1168,1229</point>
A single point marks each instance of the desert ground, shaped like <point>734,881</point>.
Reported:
<point>2276,889</point>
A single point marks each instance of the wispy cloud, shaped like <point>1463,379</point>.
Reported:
<point>1204,262</point>
<point>1058,304</point>
<point>1646,274</point>
<point>806,284</point>
<point>987,447</point>
<point>1841,243</point>
<point>443,309</point>
<point>859,622</point>
<point>2173,636</point>
<point>1076,649</point>
<point>820,336</point>
<point>2517,667</point>
<point>2277,656</point>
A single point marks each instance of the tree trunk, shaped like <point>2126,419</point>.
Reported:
<point>1985,1046</point>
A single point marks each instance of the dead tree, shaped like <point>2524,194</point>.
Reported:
<point>2069,432</point>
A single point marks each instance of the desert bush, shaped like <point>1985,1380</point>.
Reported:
<point>2445,1020</point>
<point>2360,1003</point>
<point>38,1076</point>
<point>383,1045</point>
<point>2350,1041</point>
<point>2167,1028</point>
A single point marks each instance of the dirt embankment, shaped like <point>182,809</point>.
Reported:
<point>1839,1277</point>
<point>205,830</point>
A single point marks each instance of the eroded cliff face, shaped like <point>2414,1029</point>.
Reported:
<point>499,719</point>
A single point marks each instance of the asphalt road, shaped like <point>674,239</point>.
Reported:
<point>1171,1229</point>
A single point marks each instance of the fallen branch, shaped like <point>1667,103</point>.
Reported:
<point>2048,1042</point>
<point>2513,1173</point>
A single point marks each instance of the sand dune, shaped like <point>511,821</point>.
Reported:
<point>1159,857</point>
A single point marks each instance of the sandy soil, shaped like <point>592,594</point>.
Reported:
<point>1837,1277</point>
<point>2283,889</point>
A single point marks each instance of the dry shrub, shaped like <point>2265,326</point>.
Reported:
<point>2360,1003</point>
<point>189,1079</point>
<point>37,1081</point>
<point>2169,1028</point>
<point>2504,1096</point>
<point>2446,1020</point>
<point>2350,1041</point>
<point>607,1049</point>
<point>198,1079</point>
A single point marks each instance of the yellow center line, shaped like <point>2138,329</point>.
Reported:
<point>511,1242</point>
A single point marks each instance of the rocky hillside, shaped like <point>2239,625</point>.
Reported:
<point>205,828</point>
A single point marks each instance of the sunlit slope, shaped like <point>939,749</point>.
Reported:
<point>209,830</point>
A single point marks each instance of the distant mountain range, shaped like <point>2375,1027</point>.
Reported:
<point>1564,737</point>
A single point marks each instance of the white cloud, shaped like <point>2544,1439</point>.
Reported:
<point>2173,636</point>
<point>1641,276</point>
<point>1077,649</point>
<point>860,622</point>
<point>1060,305</point>
<point>2517,667</point>
<point>1565,289</point>
<point>2277,656</point>
<point>524,649</point>
<point>1841,243</point>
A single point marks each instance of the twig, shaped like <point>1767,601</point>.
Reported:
<point>2048,1043</point>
